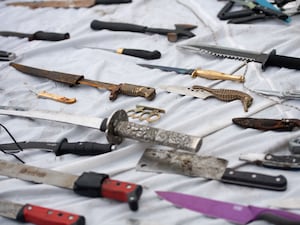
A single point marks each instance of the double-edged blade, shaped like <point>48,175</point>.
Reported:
<point>232,212</point>
<point>190,164</point>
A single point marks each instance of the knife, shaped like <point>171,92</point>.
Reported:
<point>88,184</point>
<point>267,124</point>
<point>202,92</point>
<point>38,215</point>
<point>67,4</point>
<point>190,164</point>
<point>7,56</point>
<point>208,74</point>
<point>232,212</point>
<point>62,147</point>
<point>288,162</point>
<point>39,35</point>
<point>271,59</point>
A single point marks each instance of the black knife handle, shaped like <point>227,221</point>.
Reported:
<point>281,61</point>
<point>288,162</point>
<point>277,183</point>
<point>141,53</point>
<point>82,148</point>
<point>107,2</point>
<point>48,36</point>
<point>276,219</point>
<point>100,25</point>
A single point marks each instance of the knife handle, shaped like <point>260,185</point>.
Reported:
<point>288,162</point>
<point>48,36</point>
<point>275,217</point>
<point>100,185</point>
<point>277,183</point>
<point>46,216</point>
<point>100,25</point>
<point>136,90</point>
<point>215,75</point>
<point>107,2</point>
<point>281,61</point>
<point>81,148</point>
<point>140,53</point>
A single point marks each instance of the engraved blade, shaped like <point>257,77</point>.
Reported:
<point>199,93</point>
<point>55,4</point>
<point>10,209</point>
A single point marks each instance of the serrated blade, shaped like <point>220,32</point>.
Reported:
<point>186,91</point>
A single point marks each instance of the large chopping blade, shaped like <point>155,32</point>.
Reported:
<point>233,212</point>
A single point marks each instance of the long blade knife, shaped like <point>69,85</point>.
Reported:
<point>226,95</point>
<point>267,124</point>
<point>72,79</point>
<point>190,164</point>
<point>271,59</point>
<point>67,4</point>
<point>116,128</point>
<point>88,184</point>
<point>208,74</point>
<point>62,147</point>
<point>39,35</point>
<point>38,215</point>
<point>232,212</point>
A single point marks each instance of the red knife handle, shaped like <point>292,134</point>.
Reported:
<point>45,216</point>
<point>99,185</point>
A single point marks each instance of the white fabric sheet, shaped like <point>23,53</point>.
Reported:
<point>210,118</point>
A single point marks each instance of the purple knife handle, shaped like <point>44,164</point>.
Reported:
<point>275,216</point>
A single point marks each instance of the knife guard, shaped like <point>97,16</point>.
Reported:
<point>48,36</point>
<point>100,25</point>
<point>99,185</point>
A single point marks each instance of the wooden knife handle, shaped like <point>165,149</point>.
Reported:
<point>136,90</point>
<point>215,75</point>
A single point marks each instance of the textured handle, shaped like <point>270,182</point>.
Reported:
<point>56,97</point>
<point>281,61</point>
<point>100,25</point>
<point>257,180</point>
<point>136,90</point>
<point>82,148</point>
<point>45,216</point>
<point>215,75</point>
<point>141,53</point>
<point>107,2</point>
<point>48,36</point>
<point>278,219</point>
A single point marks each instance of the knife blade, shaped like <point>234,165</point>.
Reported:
<point>202,92</point>
<point>267,124</point>
<point>29,213</point>
<point>62,147</point>
<point>190,164</point>
<point>39,35</point>
<point>271,59</point>
<point>232,212</point>
<point>67,4</point>
<point>288,162</point>
<point>208,74</point>
<point>88,184</point>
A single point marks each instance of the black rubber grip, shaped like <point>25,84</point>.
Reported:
<point>107,2</point>
<point>282,61</point>
<point>48,36</point>
<point>142,53</point>
<point>277,183</point>
<point>277,219</point>
<point>82,148</point>
<point>100,25</point>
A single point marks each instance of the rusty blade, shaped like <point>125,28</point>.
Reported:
<point>56,4</point>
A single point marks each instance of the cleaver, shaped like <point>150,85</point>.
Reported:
<point>209,167</point>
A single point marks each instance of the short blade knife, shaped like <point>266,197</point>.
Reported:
<point>29,213</point>
<point>232,212</point>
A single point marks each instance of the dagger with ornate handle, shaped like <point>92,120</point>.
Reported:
<point>88,184</point>
<point>232,212</point>
<point>39,35</point>
<point>38,215</point>
<point>116,128</point>
<point>72,79</point>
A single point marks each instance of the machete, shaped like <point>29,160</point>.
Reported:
<point>232,212</point>
<point>88,184</point>
<point>38,215</point>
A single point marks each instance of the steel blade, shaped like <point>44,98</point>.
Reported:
<point>37,175</point>
<point>168,69</point>
<point>10,209</point>
<point>182,162</point>
<point>225,52</point>
<point>55,4</point>
<point>91,122</point>
<point>14,34</point>
<point>30,145</point>
<point>198,93</point>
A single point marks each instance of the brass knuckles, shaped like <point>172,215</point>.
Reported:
<point>147,113</point>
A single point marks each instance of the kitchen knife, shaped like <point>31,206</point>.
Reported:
<point>232,212</point>
<point>190,164</point>
<point>39,35</point>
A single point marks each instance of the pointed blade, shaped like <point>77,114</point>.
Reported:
<point>10,209</point>
<point>55,4</point>
<point>168,69</point>
<point>198,93</point>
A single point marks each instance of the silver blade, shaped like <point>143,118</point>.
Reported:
<point>30,145</point>
<point>225,52</point>
<point>37,175</point>
<point>10,209</point>
<point>92,122</point>
<point>182,162</point>
<point>104,49</point>
<point>186,91</point>
<point>168,69</point>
